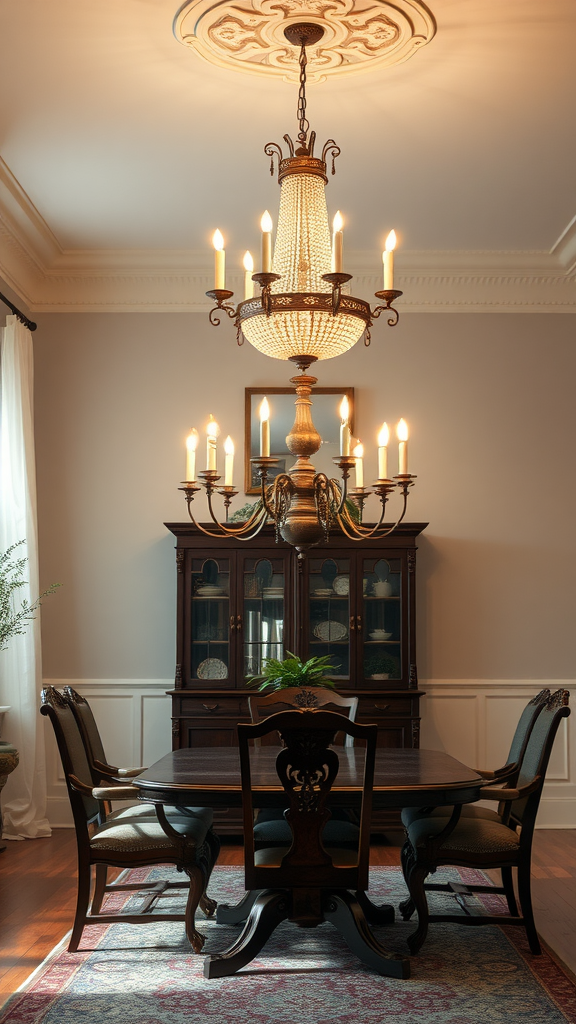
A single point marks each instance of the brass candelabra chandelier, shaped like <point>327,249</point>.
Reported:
<point>302,315</point>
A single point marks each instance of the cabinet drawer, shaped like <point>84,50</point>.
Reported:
<point>388,706</point>
<point>213,707</point>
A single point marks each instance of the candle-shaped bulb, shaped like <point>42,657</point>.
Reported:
<point>383,438</point>
<point>219,261</point>
<point>402,434</point>
<point>212,431</point>
<point>266,225</point>
<point>388,261</point>
<point>248,263</point>
<point>344,426</point>
<point>337,243</point>
<point>264,428</point>
<point>191,446</point>
<point>402,430</point>
<point>228,461</point>
<point>358,454</point>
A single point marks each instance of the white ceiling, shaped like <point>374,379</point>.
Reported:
<point>122,138</point>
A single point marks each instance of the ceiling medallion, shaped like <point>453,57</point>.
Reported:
<point>358,35</point>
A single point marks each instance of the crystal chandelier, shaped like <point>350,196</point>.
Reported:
<point>301,315</point>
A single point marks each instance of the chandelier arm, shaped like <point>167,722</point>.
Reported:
<point>256,520</point>
<point>272,149</point>
<point>361,532</point>
<point>208,533</point>
<point>375,531</point>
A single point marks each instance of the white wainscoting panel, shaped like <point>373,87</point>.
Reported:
<point>473,720</point>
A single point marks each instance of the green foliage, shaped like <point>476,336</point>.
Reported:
<point>244,513</point>
<point>14,621</point>
<point>377,662</point>
<point>281,675</point>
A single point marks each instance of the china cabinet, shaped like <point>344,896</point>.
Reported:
<point>242,602</point>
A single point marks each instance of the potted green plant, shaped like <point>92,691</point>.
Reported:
<point>381,665</point>
<point>282,675</point>
<point>14,620</point>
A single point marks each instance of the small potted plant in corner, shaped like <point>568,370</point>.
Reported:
<point>13,622</point>
<point>380,665</point>
<point>292,672</point>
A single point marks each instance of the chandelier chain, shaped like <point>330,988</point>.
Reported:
<point>302,120</point>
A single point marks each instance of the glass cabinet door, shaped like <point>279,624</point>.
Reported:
<point>264,615</point>
<point>381,619</point>
<point>210,628</point>
<point>329,612</point>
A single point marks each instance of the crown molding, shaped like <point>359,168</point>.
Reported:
<point>50,279</point>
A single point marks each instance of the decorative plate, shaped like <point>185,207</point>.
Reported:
<point>212,668</point>
<point>330,630</point>
<point>342,585</point>
<point>324,591</point>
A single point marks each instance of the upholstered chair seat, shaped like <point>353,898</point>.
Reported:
<point>474,836</point>
<point>124,836</point>
<point>410,814</point>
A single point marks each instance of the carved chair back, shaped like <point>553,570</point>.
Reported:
<point>88,729</point>
<point>307,767</point>
<point>85,808</point>
<point>535,762</point>
<point>525,725</point>
<point>302,697</point>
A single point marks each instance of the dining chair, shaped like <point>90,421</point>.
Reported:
<point>106,775</point>
<point>507,776</point>
<point>113,784</point>
<point>271,827</point>
<point>483,843</point>
<point>303,697</point>
<point>306,881</point>
<point>126,839</point>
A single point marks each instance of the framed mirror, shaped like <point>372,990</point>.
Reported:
<point>326,416</point>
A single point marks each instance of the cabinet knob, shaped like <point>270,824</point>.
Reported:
<point>211,707</point>
<point>358,622</point>
<point>238,622</point>
<point>352,624</point>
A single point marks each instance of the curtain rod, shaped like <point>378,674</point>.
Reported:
<point>23,319</point>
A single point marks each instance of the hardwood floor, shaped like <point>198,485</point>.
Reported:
<point>38,894</point>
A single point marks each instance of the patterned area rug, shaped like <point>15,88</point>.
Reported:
<point>147,974</point>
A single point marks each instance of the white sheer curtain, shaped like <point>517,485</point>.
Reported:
<point>24,796</point>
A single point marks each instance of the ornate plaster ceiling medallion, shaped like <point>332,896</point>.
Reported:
<point>359,35</point>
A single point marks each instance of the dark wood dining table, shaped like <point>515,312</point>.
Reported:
<point>403,778</point>
<point>210,776</point>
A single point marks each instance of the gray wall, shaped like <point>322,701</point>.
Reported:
<point>490,403</point>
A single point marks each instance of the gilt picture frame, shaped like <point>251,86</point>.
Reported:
<point>325,413</point>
